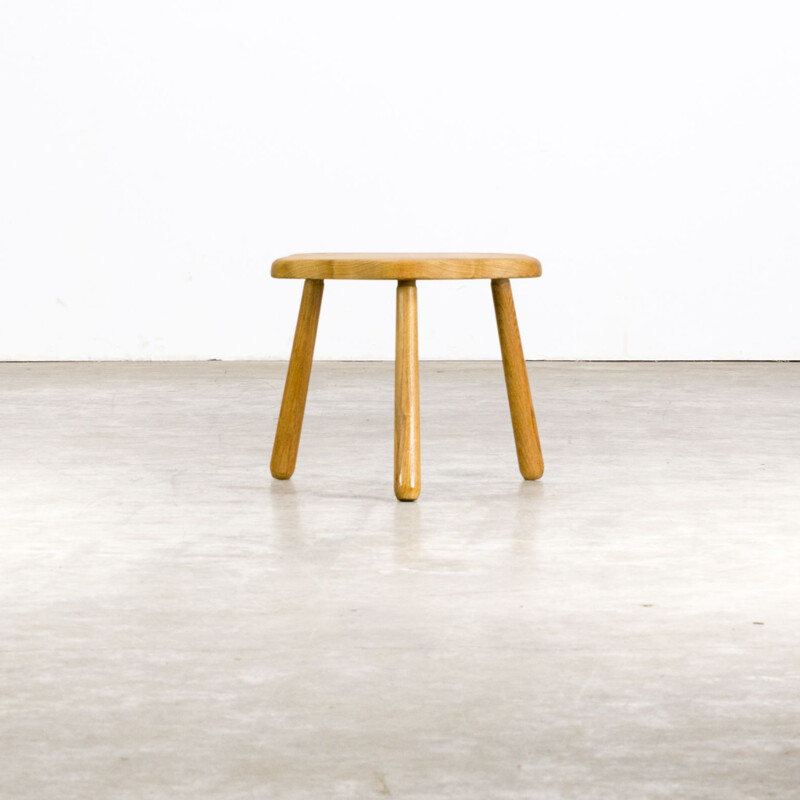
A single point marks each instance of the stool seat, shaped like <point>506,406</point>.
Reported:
<point>405,266</point>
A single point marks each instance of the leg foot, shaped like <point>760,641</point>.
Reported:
<point>523,419</point>
<point>406,395</point>
<point>290,422</point>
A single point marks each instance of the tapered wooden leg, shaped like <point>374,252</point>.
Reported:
<point>290,422</point>
<point>406,395</point>
<point>523,419</point>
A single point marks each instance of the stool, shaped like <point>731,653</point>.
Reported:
<point>406,269</point>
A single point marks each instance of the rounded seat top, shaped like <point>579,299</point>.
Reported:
<point>405,266</point>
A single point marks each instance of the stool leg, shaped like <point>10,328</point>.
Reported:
<point>523,419</point>
<point>406,395</point>
<point>290,422</point>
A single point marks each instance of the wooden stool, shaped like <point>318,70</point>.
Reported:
<point>406,269</point>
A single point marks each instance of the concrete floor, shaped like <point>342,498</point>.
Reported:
<point>175,624</point>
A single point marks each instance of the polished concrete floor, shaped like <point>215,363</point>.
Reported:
<point>175,624</point>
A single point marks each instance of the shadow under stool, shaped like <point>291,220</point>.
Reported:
<point>406,269</point>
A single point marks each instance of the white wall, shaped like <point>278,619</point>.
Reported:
<point>155,156</point>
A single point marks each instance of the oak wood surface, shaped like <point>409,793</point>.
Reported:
<point>405,266</point>
<point>523,418</point>
<point>406,395</point>
<point>290,422</point>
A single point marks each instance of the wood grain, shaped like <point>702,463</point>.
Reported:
<point>405,266</point>
<point>406,395</point>
<point>523,418</point>
<point>293,405</point>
